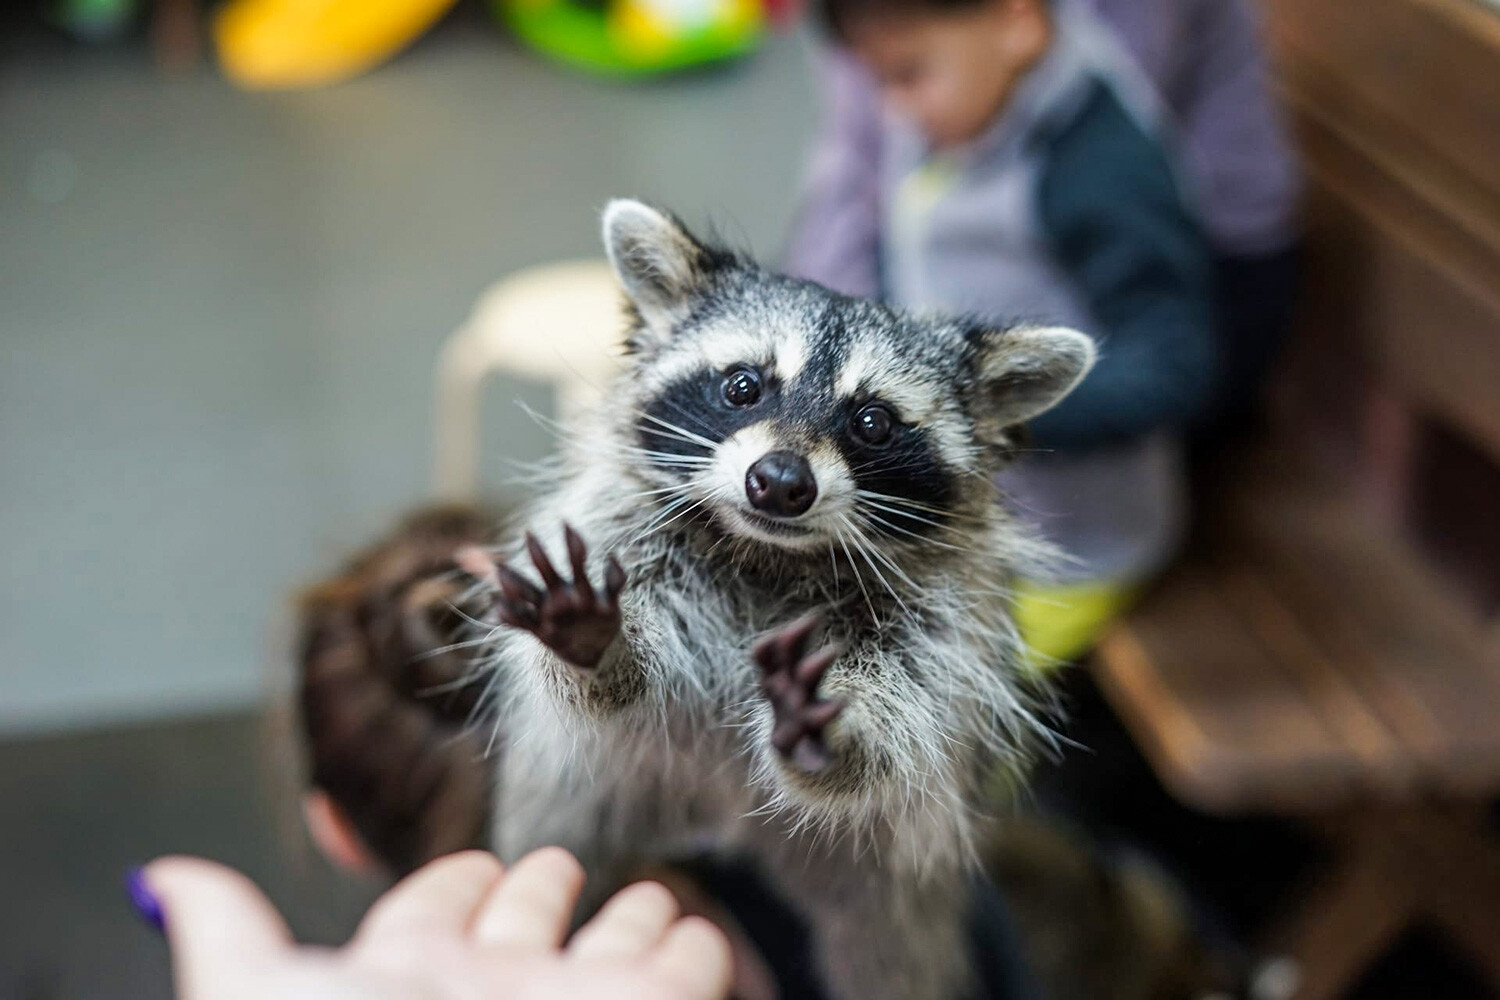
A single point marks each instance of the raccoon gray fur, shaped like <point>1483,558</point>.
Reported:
<point>772,451</point>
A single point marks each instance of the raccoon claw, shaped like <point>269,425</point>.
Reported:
<point>790,681</point>
<point>570,617</point>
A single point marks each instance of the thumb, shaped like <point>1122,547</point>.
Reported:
<point>219,925</point>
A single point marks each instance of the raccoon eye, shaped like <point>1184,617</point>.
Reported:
<point>742,388</point>
<point>873,425</point>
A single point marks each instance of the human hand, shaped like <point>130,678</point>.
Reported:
<point>460,928</point>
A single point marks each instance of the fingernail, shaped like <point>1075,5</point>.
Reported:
<point>146,905</point>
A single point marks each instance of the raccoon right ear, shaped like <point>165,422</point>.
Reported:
<point>1025,371</point>
<point>658,262</point>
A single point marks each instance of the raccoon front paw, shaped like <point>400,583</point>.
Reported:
<point>572,619</point>
<point>790,680</point>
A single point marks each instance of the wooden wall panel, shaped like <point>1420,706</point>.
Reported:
<point>1397,109</point>
<point>1433,65</point>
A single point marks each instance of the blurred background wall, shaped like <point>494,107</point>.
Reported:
<point>219,313</point>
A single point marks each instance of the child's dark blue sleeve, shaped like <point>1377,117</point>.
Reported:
<point>1110,205</point>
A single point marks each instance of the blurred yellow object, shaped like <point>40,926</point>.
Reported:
<point>1060,624</point>
<point>287,44</point>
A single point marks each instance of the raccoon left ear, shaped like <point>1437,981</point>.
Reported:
<point>1025,371</point>
<point>658,262</point>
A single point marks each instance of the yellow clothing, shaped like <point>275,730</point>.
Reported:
<point>1061,623</point>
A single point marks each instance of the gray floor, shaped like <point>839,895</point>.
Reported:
<point>219,311</point>
<point>218,315</point>
<point>80,809</point>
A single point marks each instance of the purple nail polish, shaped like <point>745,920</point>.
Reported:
<point>143,899</point>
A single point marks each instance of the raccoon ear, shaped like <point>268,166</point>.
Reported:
<point>1025,371</point>
<point>658,262</point>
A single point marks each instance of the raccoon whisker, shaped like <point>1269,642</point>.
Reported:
<point>883,465</point>
<point>910,516</point>
<point>551,424</point>
<point>665,511</point>
<point>688,510</point>
<point>714,548</point>
<point>861,545</point>
<point>654,432</point>
<point>490,628</point>
<point>428,654</point>
<point>862,503</point>
<point>884,558</point>
<point>675,488</point>
<point>489,746</point>
<point>879,522</point>
<point>681,432</point>
<point>874,550</point>
<point>657,523</point>
<point>692,416</point>
<point>692,468</point>
<point>854,568</point>
<point>449,686</point>
<point>900,501</point>
<point>668,457</point>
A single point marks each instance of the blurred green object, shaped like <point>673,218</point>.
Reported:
<point>93,20</point>
<point>636,37</point>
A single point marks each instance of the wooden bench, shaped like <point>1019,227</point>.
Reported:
<point>1330,649</point>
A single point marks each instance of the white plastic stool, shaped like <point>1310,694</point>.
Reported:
<point>557,323</point>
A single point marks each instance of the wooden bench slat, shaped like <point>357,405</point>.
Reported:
<point>1421,667</point>
<point>1382,757</point>
<point>1225,729</point>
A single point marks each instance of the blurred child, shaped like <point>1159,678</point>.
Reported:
<point>1206,61</point>
<point>1006,158</point>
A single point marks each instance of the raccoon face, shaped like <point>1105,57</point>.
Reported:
<point>789,415</point>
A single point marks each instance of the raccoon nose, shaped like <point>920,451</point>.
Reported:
<point>781,483</point>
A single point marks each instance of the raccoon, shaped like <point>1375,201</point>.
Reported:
<point>763,606</point>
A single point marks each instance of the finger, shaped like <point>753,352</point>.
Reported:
<point>218,923</point>
<point>516,587</point>
<point>440,897</point>
<point>531,907</point>
<point>542,563</point>
<point>694,956</point>
<point>614,580</point>
<point>811,670</point>
<point>522,616</point>
<point>578,554</point>
<point>630,924</point>
<point>478,563</point>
